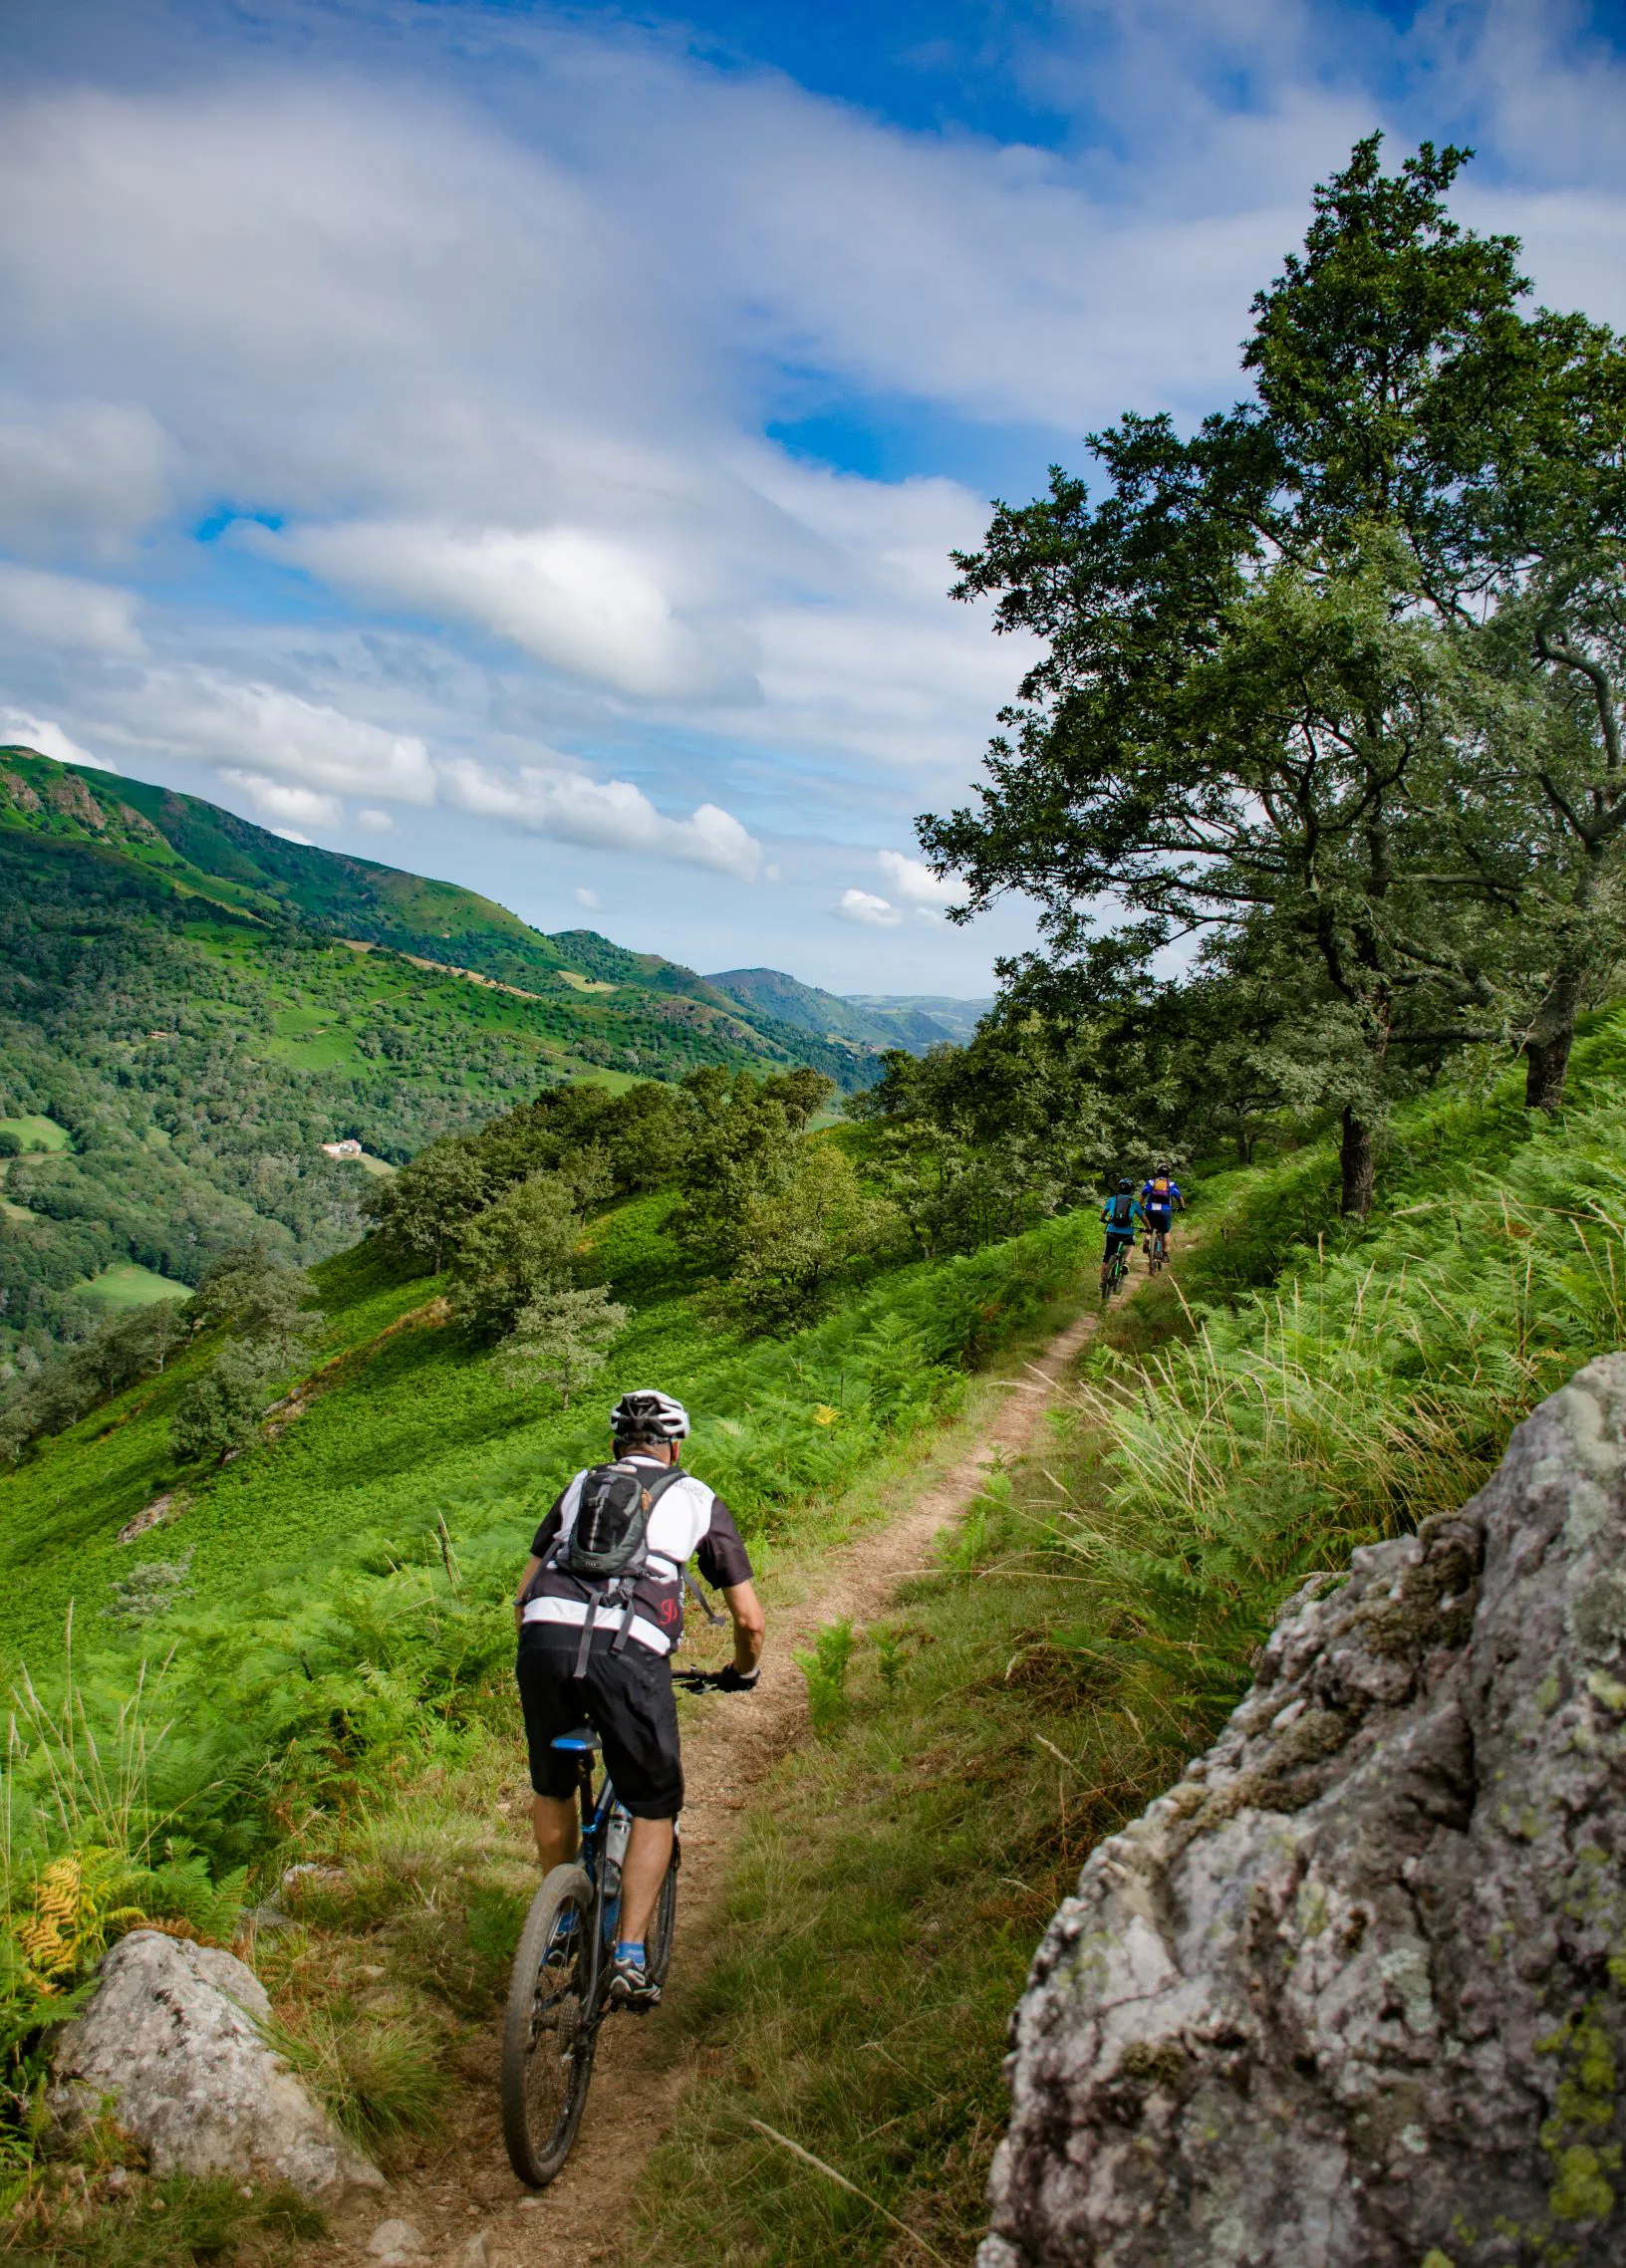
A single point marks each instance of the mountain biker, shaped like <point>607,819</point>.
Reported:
<point>1161,1197</point>
<point>597,1649</point>
<point>1121,1212</point>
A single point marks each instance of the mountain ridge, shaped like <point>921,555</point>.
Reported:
<point>200,848</point>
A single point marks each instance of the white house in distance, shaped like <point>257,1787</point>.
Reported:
<point>349,1147</point>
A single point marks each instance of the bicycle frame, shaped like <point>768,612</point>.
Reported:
<point>596,1811</point>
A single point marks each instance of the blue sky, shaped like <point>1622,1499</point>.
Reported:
<point>524,443</point>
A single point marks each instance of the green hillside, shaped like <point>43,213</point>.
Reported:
<point>661,1011</point>
<point>191,1007</point>
<point>872,1023</point>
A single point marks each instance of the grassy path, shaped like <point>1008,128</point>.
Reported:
<point>461,2188</point>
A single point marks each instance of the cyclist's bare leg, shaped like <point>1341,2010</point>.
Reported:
<point>643,1871</point>
<point>556,1823</point>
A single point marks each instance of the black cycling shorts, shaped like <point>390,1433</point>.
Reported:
<point>1119,1241</point>
<point>628,1699</point>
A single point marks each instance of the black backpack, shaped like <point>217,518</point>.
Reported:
<point>1123,1210</point>
<point>606,1546</point>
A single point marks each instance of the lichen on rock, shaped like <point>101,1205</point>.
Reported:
<point>172,2042</point>
<point>1353,1994</point>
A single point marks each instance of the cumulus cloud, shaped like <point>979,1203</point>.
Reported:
<point>588,897</point>
<point>279,799</point>
<point>913,881</point>
<point>375,821</point>
<point>200,714</point>
<point>577,602</point>
<point>603,815</point>
<point>868,910</point>
<point>47,738</point>
<point>66,613</point>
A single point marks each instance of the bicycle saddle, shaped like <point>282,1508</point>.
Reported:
<point>582,1740</point>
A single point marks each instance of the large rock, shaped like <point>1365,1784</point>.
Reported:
<point>1351,1995</point>
<point>171,2042</point>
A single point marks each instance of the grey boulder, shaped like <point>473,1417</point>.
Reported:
<point>171,2042</point>
<point>1353,1994</point>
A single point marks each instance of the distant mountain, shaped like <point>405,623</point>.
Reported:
<point>959,1018</point>
<point>871,1021</point>
<point>636,1011</point>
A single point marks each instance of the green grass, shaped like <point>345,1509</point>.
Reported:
<point>124,1286</point>
<point>888,1895</point>
<point>36,1132</point>
<point>357,1569</point>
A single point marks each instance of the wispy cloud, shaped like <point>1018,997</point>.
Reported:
<point>604,815</point>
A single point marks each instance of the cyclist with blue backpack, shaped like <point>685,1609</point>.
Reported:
<point>598,1610</point>
<point>1122,1214</point>
<point>1160,1198</point>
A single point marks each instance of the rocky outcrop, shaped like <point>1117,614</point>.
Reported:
<point>172,2044</point>
<point>1353,1994</point>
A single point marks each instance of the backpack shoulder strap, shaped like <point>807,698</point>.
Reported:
<point>658,1488</point>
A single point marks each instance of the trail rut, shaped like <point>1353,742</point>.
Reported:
<point>464,2191</point>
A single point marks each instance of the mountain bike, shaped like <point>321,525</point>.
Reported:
<point>559,1995</point>
<point>1114,1272</point>
<point>1157,1251</point>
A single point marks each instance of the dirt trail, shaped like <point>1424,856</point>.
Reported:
<point>467,2189</point>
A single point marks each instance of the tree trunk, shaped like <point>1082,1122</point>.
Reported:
<point>1547,1044</point>
<point>1359,1166</point>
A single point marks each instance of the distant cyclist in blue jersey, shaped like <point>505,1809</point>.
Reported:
<point>1122,1213</point>
<point>1160,1198</point>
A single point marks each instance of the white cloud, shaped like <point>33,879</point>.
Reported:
<point>496,340</point>
<point>868,910</point>
<point>588,897</point>
<point>200,714</point>
<point>63,611</point>
<point>913,881</point>
<point>605,814</point>
<point>577,602</point>
<point>291,835</point>
<point>277,799</point>
<point>47,738</point>
<point>376,822</point>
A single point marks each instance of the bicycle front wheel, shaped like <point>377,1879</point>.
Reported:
<point>550,2033</point>
<point>665,1926</point>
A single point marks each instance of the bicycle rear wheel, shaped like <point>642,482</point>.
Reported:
<point>550,2033</point>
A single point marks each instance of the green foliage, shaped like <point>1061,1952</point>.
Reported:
<point>976,1143</point>
<point>378,2075</point>
<point>118,1354</point>
<point>220,1412</point>
<point>424,1206</point>
<point>562,1339</point>
<point>825,1669</point>
<point>1277,705</point>
<point>517,1251</point>
<point>269,1310</point>
<point>793,1241</point>
<point>175,1044</point>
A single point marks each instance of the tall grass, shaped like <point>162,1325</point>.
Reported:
<point>1376,1384</point>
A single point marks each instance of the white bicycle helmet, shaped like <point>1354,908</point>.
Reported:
<point>656,1415</point>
